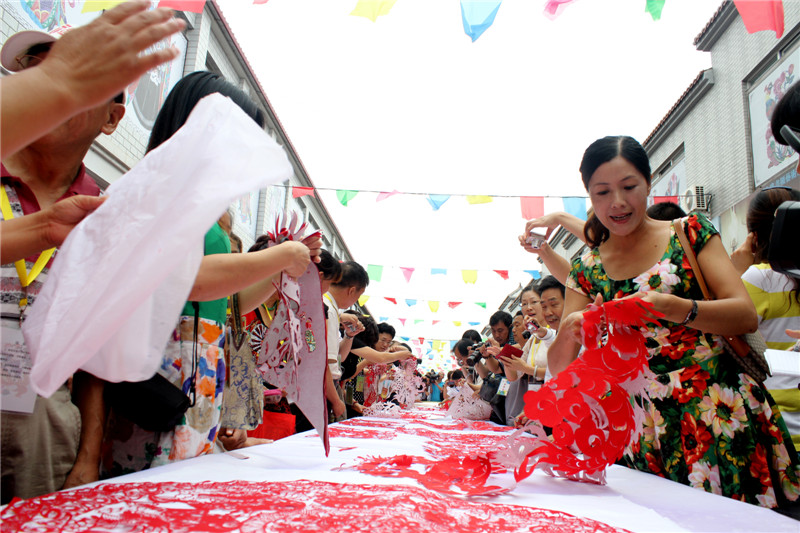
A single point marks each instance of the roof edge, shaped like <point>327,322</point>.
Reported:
<point>716,26</point>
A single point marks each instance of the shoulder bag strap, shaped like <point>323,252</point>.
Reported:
<point>691,257</point>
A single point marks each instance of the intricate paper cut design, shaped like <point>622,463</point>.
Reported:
<point>588,405</point>
<point>466,404</point>
<point>288,358</point>
<point>291,506</point>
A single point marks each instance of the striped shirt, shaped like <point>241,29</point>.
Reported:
<point>776,305</point>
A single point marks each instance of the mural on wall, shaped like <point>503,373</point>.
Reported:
<point>769,157</point>
<point>671,184</point>
<point>145,97</point>
<point>245,214</point>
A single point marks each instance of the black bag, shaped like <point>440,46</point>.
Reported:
<point>154,404</point>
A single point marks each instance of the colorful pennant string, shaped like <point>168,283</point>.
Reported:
<point>453,305</point>
<point>363,299</point>
<point>553,8</point>
<point>385,195</point>
<point>478,199</point>
<point>502,273</point>
<point>393,300</point>
<point>411,303</point>
<point>654,7</point>
<point>435,271</point>
<point>437,200</point>
<point>531,206</point>
<point>434,306</point>
<point>298,192</point>
<point>345,196</point>
<point>469,276</point>
<point>193,6</point>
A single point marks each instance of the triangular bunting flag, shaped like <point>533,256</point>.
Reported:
<point>407,271</point>
<point>477,16</point>
<point>760,15</point>
<point>502,273</point>
<point>437,200</point>
<point>535,274</point>
<point>384,318</point>
<point>372,9</point>
<point>411,302</point>
<point>193,6</point>
<point>474,323</point>
<point>433,305</point>
<point>345,196</point>
<point>531,206</point>
<point>385,195</point>
<point>419,321</point>
<point>654,7</point>
<point>481,304</point>
<point>297,192</point>
<point>403,321</point>
<point>393,300</point>
<point>453,305</point>
<point>457,323</point>
<point>375,272</point>
<point>553,8</point>
<point>438,271</point>
<point>363,299</point>
<point>479,199</point>
<point>434,322</point>
<point>453,345</point>
<point>98,5</point>
<point>469,276</point>
<point>575,205</point>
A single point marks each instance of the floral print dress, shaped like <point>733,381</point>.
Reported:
<point>707,424</point>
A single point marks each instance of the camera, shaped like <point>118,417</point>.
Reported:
<point>432,376</point>
<point>536,240</point>
<point>451,383</point>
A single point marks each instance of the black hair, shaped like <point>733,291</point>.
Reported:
<point>456,375</point>
<point>473,336</point>
<point>500,316</point>
<point>406,346</point>
<point>383,327</point>
<point>786,112</point>
<point>262,242</point>
<point>463,346</point>
<point>330,268</point>
<point>665,211</point>
<point>518,313</point>
<point>598,153</point>
<point>184,97</point>
<point>370,334</point>
<point>550,282</point>
<point>760,218</point>
<point>353,275</point>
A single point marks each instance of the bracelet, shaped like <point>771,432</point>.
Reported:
<point>691,315</point>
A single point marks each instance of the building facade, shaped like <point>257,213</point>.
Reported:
<point>207,43</point>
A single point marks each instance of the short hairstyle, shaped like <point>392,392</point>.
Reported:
<point>462,347</point>
<point>406,346</point>
<point>518,313</point>
<point>330,268</point>
<point>184,97</point>
<point>665,211</point>
<point>786,113</point>
<point>353,275</point>
<point>473,336</point>
<point>456,375</point>
<point>500,316</point>
<point>550,282</point>
<point>598,153</point>
<point>262,242</point>
<point>383,327</point>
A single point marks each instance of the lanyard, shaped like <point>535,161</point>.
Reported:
<point>25,277</point>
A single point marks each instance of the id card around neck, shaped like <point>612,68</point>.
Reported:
<point>17,394</point>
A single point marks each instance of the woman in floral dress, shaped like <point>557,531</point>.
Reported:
<point>707,424</point>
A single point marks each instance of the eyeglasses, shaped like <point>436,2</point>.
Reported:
<point>27,61</point>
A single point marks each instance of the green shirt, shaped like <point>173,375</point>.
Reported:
<point>216,242</point>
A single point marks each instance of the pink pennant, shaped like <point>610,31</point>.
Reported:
<point>385,195</point>
<point>760,15</point>
<point>260,1</point>
<point>193,6</point>
<point>297,192</point>
<point>553,8</point>
<point>502,273</point>
<point>453,305</point>
<point>407,271</point>
<point>393,300</point>
<point>532,206</point>
<point>433,323</point>
<point>402,321</point>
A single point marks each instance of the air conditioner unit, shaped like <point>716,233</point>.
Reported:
<point>695,199</point>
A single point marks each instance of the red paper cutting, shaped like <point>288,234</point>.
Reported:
<point>292,506</point>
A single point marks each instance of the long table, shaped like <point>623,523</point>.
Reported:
<point>630,500</point>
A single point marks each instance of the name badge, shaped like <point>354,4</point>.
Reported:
<point>502,390</point>
<point>17,394</point>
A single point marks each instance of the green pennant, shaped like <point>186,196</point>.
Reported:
<point>345,196</point>
<point>654,7</point>
<point>482,304</point>
<point>375,272</point>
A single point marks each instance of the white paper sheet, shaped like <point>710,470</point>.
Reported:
<point>120,280</point>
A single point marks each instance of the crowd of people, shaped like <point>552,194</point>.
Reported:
<point>708,423</point>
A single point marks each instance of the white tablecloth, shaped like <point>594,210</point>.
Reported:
<point>632,500</point>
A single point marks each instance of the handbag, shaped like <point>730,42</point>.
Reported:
<point>154,404</point>
<point>746,350</point>
<point>243,397</point>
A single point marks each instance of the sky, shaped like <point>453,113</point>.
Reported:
<point>410,103</point>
